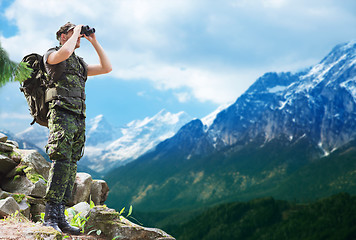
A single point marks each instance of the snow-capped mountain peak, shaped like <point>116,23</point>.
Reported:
<point>35,134</point>
<point>209,119</point>
<point>100,131</point>
<point>318,104</point>
<point>136,138</point>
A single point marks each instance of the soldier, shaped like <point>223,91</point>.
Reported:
<point>66,118</point>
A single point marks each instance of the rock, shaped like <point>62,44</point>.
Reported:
<point>39,189</point>
<point>18,170</point>
<point>40,232</point>
<point>13,143</point>
<point>34,159</point>
<point>99,192</point>
<point>25,208</point>
<point>81,189</point>
<point>16,157</point>
<point>112,225</point>
<point>38,206</point>
<point>83,208</point>
<point>8,206</point>
<point>4,194</point>
<point>6,164</point>
<point>5,147</point>
<point>20,228</point>
<point>21,184</point>
<point>3,137</point>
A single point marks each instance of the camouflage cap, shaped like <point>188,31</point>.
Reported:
<point>64,29</point>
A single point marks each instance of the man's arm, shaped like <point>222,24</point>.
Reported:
<point>104,65</point>
<point>67,49</point>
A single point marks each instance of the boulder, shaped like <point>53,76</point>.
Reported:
<point>3,138</point>
<point>5,147</point>
<point>8,206</point>
<point>13,143</point>
<point>34,159</point>
<point>38,206</point>
<point>18,170</point>
<point>25,208</point>
<point>83,208</point>
<point>6,164</point>
<point>4,194</point>
<point>113,225</point>
<point>81,189</point>
<point>21,184</point>
<point>39,189</point>
<point>99,192</point>
<point>16,156</point>
<point>23,175</point>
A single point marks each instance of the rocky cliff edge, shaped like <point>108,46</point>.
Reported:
<point>23,179</point>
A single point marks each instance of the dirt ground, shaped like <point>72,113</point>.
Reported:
<point>24,230</point>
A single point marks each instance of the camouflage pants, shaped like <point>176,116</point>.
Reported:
<point>65,147</point>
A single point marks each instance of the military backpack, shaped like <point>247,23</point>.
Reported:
<point>34,88</point>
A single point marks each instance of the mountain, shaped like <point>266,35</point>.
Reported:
<point>268,218</point>
<point>99,131</point>
<point>318,104</point>
<point>26,141</point>
<point>282,126</point>
<point>107,146</point>
<point>36,135</point>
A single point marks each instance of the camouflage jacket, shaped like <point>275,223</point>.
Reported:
<point>67,83</point>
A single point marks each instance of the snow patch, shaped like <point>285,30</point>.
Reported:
<point>326,153</point>
<point>94,123</point>
<point>209,119</point>
<point>350,86</point>
<point>276,89</point>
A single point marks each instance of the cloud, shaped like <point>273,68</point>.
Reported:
<point>182,96</point>
<point>214,48</point>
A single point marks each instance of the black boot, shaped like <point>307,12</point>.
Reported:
<point>51,216</point>
<point>64,225</point>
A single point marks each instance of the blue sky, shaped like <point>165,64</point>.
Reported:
<point>180,55</point>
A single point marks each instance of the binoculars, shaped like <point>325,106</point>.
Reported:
<point>87,30</point>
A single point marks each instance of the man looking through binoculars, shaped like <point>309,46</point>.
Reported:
<point>66,116</point>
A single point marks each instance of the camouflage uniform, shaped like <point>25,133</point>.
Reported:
<point>66,123</point>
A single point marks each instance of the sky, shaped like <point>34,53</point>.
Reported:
<point>178,55</point>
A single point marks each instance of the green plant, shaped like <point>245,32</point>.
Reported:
<point>11,216</point>
<point>80,221</point>
<point>42,217</point>
<point>32,175</point>
<point>20,169</point>
<point>97,231</point>
<point>16,177</point>
<point>123,210</point>
<point>77,220</point>
<point>129,214</point>
<point>18,197</point>
<point>15,217</point>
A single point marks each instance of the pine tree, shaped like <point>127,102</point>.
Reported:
<point>11,71</point>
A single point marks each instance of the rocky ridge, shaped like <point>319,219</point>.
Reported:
<point>23,179</point>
